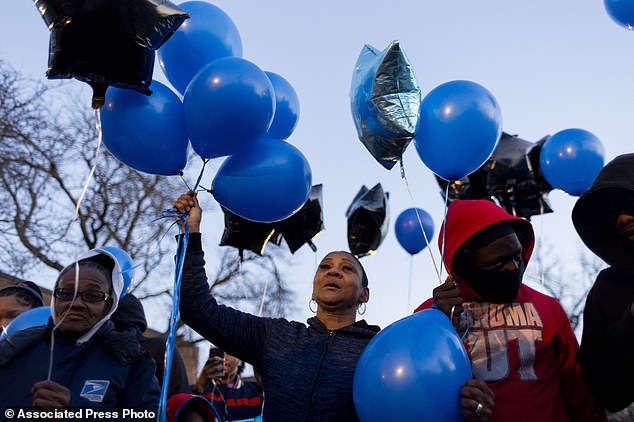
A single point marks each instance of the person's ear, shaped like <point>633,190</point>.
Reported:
<point>365,295</point>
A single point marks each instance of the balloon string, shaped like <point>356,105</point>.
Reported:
<point>94,166</point>
<point>241,280</point>
<point>200,176</point>
<point>171,338</point>
<point>541,242</point>
<point>444,232</point>
<point>420,222</point>
<point>75,216</point>
<point>266,285</point>
<point>409,289</point>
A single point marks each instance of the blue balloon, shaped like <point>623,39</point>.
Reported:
<point>228,107</point>
<point>267,183</point>
<point>412,371</point>
<point>144,132</point>
<point>409,232</point>
<point>286,108</point>
<point>126,265</point>
<point>208,34</point>
<point>571,159</point>
<point>35,317</point>
<point>459,126</point>
<point>621,12</point>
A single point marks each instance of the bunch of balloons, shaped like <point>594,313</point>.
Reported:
<point>230,107</point>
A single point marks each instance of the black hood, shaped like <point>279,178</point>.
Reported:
<point>130,313</point>
<point>594,214</point>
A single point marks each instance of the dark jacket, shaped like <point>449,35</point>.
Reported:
<point>607,344</point>
<point>107,373</point>
<point>307,371</point>
<point>130,314</point>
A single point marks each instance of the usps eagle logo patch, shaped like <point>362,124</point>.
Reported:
<point>94,390</point>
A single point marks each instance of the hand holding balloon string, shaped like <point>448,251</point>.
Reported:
<point>187,212</point>
<point>446,297</point>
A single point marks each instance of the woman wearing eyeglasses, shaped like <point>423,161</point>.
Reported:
<point>93,365</point>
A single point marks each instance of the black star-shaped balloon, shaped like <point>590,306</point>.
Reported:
<point>107,42</point>
<point>298,229</point>
<point>511,176</point>
<point>368,220</point>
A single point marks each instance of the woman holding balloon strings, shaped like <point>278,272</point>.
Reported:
<point>519,341</point>
<point>93,365</point>
<point>307,371</point>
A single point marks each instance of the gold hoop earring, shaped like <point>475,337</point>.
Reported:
<point>310,305</point>
<point>359,311</point>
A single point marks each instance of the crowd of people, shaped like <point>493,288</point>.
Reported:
<point>92,355</point>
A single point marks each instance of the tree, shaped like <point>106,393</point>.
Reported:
<point>570,288</point>
<point>48,145</point>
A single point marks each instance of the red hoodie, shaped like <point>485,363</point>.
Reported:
<point>524,350</point>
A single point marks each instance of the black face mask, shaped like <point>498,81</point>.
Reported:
<point>495,286</point>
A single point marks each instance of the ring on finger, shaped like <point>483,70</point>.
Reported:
<point>478,410</point>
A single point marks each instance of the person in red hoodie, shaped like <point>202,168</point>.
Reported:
<point>519,341</point>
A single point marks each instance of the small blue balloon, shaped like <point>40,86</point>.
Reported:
<point>267,183</point>
<point>571,159</point>
<point>126,265</point>
<point>228,107</point>
<point>144,132</point>
<point>35,317</point>
<point>208,34</point>
<point>459,126</point>
<point>412,371</point>
<point>286,108</point>
<point>621,12</point>
<point>409,232</point>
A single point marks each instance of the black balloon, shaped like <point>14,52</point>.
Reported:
<point>298,229</point>
<point>512,177</point>
<point>368,220</point>
<point>301,227</point>
<point>245,234</point>
<point>107,42</point>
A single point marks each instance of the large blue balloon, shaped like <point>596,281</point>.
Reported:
<point>459,126</point>
<point>126,265</point>
<point>571,159</point>
<point>208,35</point>
<point>144,132</point>
<point>228,107</point>
<point>409,232</point>
<point>35,317</point>
<point>286,108</point>
<point>412,371</point>
<point>621,12</point>
<point>269,182</point>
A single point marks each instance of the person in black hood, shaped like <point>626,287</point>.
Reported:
<point>130,314</point>
<point>604,219</point>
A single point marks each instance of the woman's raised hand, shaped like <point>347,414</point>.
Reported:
<point>188,202</point>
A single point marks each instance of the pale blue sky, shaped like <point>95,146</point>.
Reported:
<point>551,66</point>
